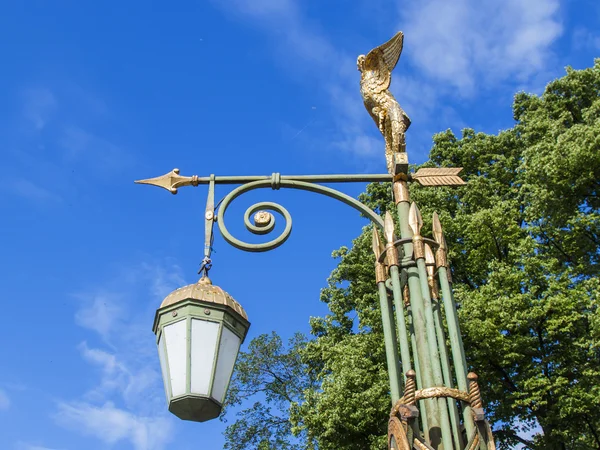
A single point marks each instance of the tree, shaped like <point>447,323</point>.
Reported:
<point>273,377</point>
<point>524,240</point>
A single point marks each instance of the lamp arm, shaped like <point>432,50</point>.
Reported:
<point>264,222</point>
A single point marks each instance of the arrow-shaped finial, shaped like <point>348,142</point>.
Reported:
<point>438,233</point>
<point>388,227</point>
<point>414,219</point>
<point>171,181</point>
<point>438,176</point>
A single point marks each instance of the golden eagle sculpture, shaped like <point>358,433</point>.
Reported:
<point>376,76</point>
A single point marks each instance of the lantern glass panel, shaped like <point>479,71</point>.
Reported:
<point>204,343</point>
<point>163,365</point>
<point>176,342</point>
<point>228,350</point>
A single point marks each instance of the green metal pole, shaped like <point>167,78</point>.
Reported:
<point>389,332</point>
<point>432,433</point>
<point>437,317</point>
<point>400,320</point>
<point>433,351</point>
<point>413,342</point>
<point>456,344</point>
<point>391,348</point>
<point>441,340</point>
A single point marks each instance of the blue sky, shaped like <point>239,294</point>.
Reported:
<point>97,94</point>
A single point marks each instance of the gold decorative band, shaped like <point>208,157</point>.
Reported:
<point>380,275</point>
<point>391,255</point>
<point>441,260</point>
<point>401,194</point>
<point>442,391</point>
<point>418,247</point>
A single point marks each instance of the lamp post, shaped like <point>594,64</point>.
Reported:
<point>199,328</point>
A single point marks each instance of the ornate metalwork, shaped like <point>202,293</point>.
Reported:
<point>441,259</point>
<point>434,176</point>
<point>270,206</point>
<point>415,221</point>
<point>380,268</point>
<point>391,253</point>
<point>376,76</point>
<point>397,439</point>
<point>172,181</point>
<point>408,262</point>
<point>430,262</point>
<point>400,189</point>
<point>442,391</point>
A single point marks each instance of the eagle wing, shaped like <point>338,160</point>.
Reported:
<point>384,58</point>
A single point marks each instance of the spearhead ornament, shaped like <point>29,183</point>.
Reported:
<point>431,281</point>
<point>376,243</point>
<point>414,219</point>
<point>429,260</point>
<point>438,233</point>
<point>388,227</point>
<point>391,258</point>
<point>171,181</point>
<point>378,249</point>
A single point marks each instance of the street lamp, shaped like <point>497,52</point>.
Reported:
<point>199,328</point>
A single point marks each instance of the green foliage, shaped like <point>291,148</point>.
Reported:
<point>273,377</point>
<point>524,242</point>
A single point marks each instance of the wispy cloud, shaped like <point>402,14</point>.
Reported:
<point>100,312</point>
<point>458,49</point>
<point>32,191</point>
<point>467,44</point>
<point>82,145</point>
<point>28,446</point>
<point>584,39</point>
<point>121,375</point>
<point>164,278</point>
<point>127,402</point>
<point>4,401</point>
<point>111,425</point>
<point>38,106</point>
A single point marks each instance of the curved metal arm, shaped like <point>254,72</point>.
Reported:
<point>267,226</point>
<point>173,180</point>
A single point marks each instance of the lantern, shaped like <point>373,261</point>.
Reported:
<point>199,329</point>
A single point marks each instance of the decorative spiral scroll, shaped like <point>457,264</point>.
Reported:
<point>266,226</point>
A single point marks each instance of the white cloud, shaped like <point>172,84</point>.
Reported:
<point>38,106</point>
<point>163,278</point>
<point>458,48</point>
<point>27,446</point>
<point>32,191</point>
<point>130,377</point>
<point>128,369</point>
<point>468,43</point>
<point>100,313</point>
<point>83,145</point>
<point>111,424</point>
<point>4,400</point>
<point>585,39</point>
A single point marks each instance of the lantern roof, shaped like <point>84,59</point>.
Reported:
<point>204,291</point>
